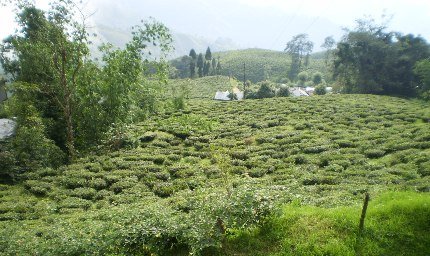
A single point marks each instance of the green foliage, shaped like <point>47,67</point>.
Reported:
<point>202,88</point>
<point>208,54</point>
<point>78,100</point>
<point>208,180</point>
<point>328,45</point>
<point>422,70</point>
<point>317,78</point>
<point>232,96</point>
<point>49,53</point>
<point>320,89</point>
<point>30,148</point>
<point>265,91</point>
<point>200,64</point>
<point>369,60</point>
<point>299,49</point>
<point>303,78</point>
<point>260,64</point>
<point>283,91</point>
<point>392,219</point>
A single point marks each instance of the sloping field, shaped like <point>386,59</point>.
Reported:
<point>181,180</point>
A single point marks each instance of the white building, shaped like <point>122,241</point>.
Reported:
<point>225,95</point>
<point>298,92</point>
<point>310,90</point>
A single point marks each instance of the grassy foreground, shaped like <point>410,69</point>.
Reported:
<point>397,223</point>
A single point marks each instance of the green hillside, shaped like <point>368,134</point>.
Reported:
<point>211,180</point>
<point>260,64</point>
<point>202,88</point>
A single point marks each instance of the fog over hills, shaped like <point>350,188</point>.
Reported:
<point>238,24</point>
<point>182,42</point>
<point>268,24</point>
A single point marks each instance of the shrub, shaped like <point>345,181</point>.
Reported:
<point>303,77</point>
<point>163,189</point>
<point>73,182</point>
<point>37,187</point>
<point>424,169</point>
<point>317,78</point>
<point>123,184</point>
<point>320,90</point>
<point>74,202</point>
<point>283,91</point>
<point>84,193</point>
<point>374,153</point>
<point>300,159</point>
<point>265,91</point>
<point>97,183</point>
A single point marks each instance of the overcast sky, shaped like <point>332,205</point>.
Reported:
<point>253,23</point>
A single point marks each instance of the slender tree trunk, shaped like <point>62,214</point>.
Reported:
<point>70,139</point>
<point>67,109</point>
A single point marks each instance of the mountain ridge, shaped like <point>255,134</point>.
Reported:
<point>182,42</point>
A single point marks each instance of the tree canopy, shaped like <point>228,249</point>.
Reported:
<point>74,100</point>
<point>371,60</point>
<point>299,48</point>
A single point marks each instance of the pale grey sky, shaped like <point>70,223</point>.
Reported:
<point>253,23</point>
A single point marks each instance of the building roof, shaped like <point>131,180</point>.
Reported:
<point>298,92</point>
<point>225,95</point>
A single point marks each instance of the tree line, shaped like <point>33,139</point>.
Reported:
<point>196,65</point>
<point>369,59</point>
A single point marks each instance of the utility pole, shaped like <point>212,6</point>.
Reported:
<point>244,76</point>
<point>229,73</point>
<point>244,79</point>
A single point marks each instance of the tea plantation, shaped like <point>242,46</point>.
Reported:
<point>280,176</point>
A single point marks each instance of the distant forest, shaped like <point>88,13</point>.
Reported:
<point>368,59</point>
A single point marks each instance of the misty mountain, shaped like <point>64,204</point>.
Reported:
<point>182,42</point>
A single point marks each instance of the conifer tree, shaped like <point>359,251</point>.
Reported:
<point>208,55</point>
<point>193,56</point>
<point>200,64</point>
<point>218,66</point>
<point>213,66</point>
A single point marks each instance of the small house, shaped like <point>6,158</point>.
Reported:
<point>226,95</point>
<point>222,95</point>
<point>310,90</point>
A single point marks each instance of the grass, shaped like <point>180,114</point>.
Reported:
<point>396,224</point>
<point>179,173</point>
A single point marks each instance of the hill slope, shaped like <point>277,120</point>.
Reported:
<point>181,178</point>
<point>202,88</point>
<point>260,64</point>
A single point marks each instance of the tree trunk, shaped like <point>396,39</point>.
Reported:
<point>70,140</point>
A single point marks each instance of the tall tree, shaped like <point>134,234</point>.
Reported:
<point>208,54</point>
<point>49,52</point>
<point>200,64</point>
<point>213,66</point>
<point>206,67</point>
<point>422,70</point>
<point>298,48</point>
<point>328,45</point>
<point>193,56</point>
<point>218,66</point>
<point>47,59</point>
<point>370,60</point>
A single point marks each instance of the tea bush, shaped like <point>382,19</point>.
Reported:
<point>219,168</point>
